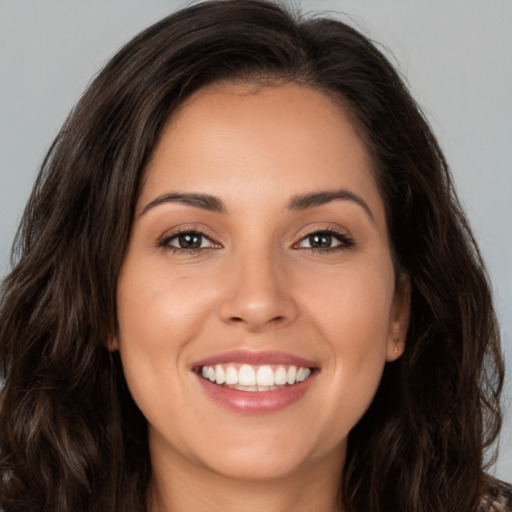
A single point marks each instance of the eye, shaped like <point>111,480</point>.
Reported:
<point>325,240</point>
<point>188,241</point>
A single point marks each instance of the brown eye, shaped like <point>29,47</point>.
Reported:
<point>188,241</point>
<point>320,241</point>
<point>325,241</point>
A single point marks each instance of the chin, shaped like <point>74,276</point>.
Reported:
<point>269,456</point>
<point>261,467</point>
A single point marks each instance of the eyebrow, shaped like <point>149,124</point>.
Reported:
<point>297,203</point>
<point>203,201</point>
<point>303,202</point>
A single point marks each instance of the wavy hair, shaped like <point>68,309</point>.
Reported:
<point>71,437</point>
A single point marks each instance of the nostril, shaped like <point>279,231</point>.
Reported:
<point>277,319</point>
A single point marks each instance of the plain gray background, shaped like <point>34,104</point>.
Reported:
<point>455,54</point>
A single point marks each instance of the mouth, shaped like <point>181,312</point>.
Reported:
<point>255,382</point>
<point>253,378</point>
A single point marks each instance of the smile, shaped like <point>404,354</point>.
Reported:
<point>251,382</point>
<point>247,377</point>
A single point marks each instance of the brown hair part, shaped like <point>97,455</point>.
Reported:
<point>71,437</point>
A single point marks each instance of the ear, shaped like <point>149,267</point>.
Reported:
<point>399,319</point>
<point>113,344</point>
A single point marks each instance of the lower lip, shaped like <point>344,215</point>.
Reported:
<point>256,401</point>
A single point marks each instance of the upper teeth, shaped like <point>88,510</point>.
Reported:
<point>246,376</point>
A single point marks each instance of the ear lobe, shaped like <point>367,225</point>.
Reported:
<point>113,344</point>
<point>399,321</point>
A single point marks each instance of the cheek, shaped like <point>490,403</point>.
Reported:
<point>351,306</point>
<point>351,311</point>
<point>159,317</point>
<point>157,308</point>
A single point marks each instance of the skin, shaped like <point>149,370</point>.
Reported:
<point>256,284</point>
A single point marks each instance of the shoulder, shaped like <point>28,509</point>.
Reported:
<point>498,498</point>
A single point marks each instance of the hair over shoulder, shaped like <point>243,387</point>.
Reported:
<point>71,437</point>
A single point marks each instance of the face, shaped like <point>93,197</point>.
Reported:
<point>257,302</point>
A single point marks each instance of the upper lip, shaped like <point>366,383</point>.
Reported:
<point>255,358</point>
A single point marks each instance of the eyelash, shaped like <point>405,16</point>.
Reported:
<point>345,241</point>
<point>165,243</point>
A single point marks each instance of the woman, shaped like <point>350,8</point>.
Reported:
<point>244,282</point>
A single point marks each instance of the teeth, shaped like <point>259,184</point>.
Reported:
<point>281,377</point>
<point>220,375</point>
<point>255,378</point>
<point>265,376</point>
<point>246,376</point>
<point>231,375</point>
<point>292,374</point>
<point>303,374</point>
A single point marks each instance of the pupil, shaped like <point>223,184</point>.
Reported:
<point>320,241</point>
<point>190,241</point>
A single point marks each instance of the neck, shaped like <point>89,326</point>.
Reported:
<point>180,486</point>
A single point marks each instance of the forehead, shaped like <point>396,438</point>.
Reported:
<point>226,136</point>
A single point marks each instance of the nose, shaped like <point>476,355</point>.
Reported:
<point>259,295</point>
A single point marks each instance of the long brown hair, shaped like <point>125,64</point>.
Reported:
<point>71,437</point>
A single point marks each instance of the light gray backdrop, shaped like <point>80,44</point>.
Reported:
<point>455,54</point>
